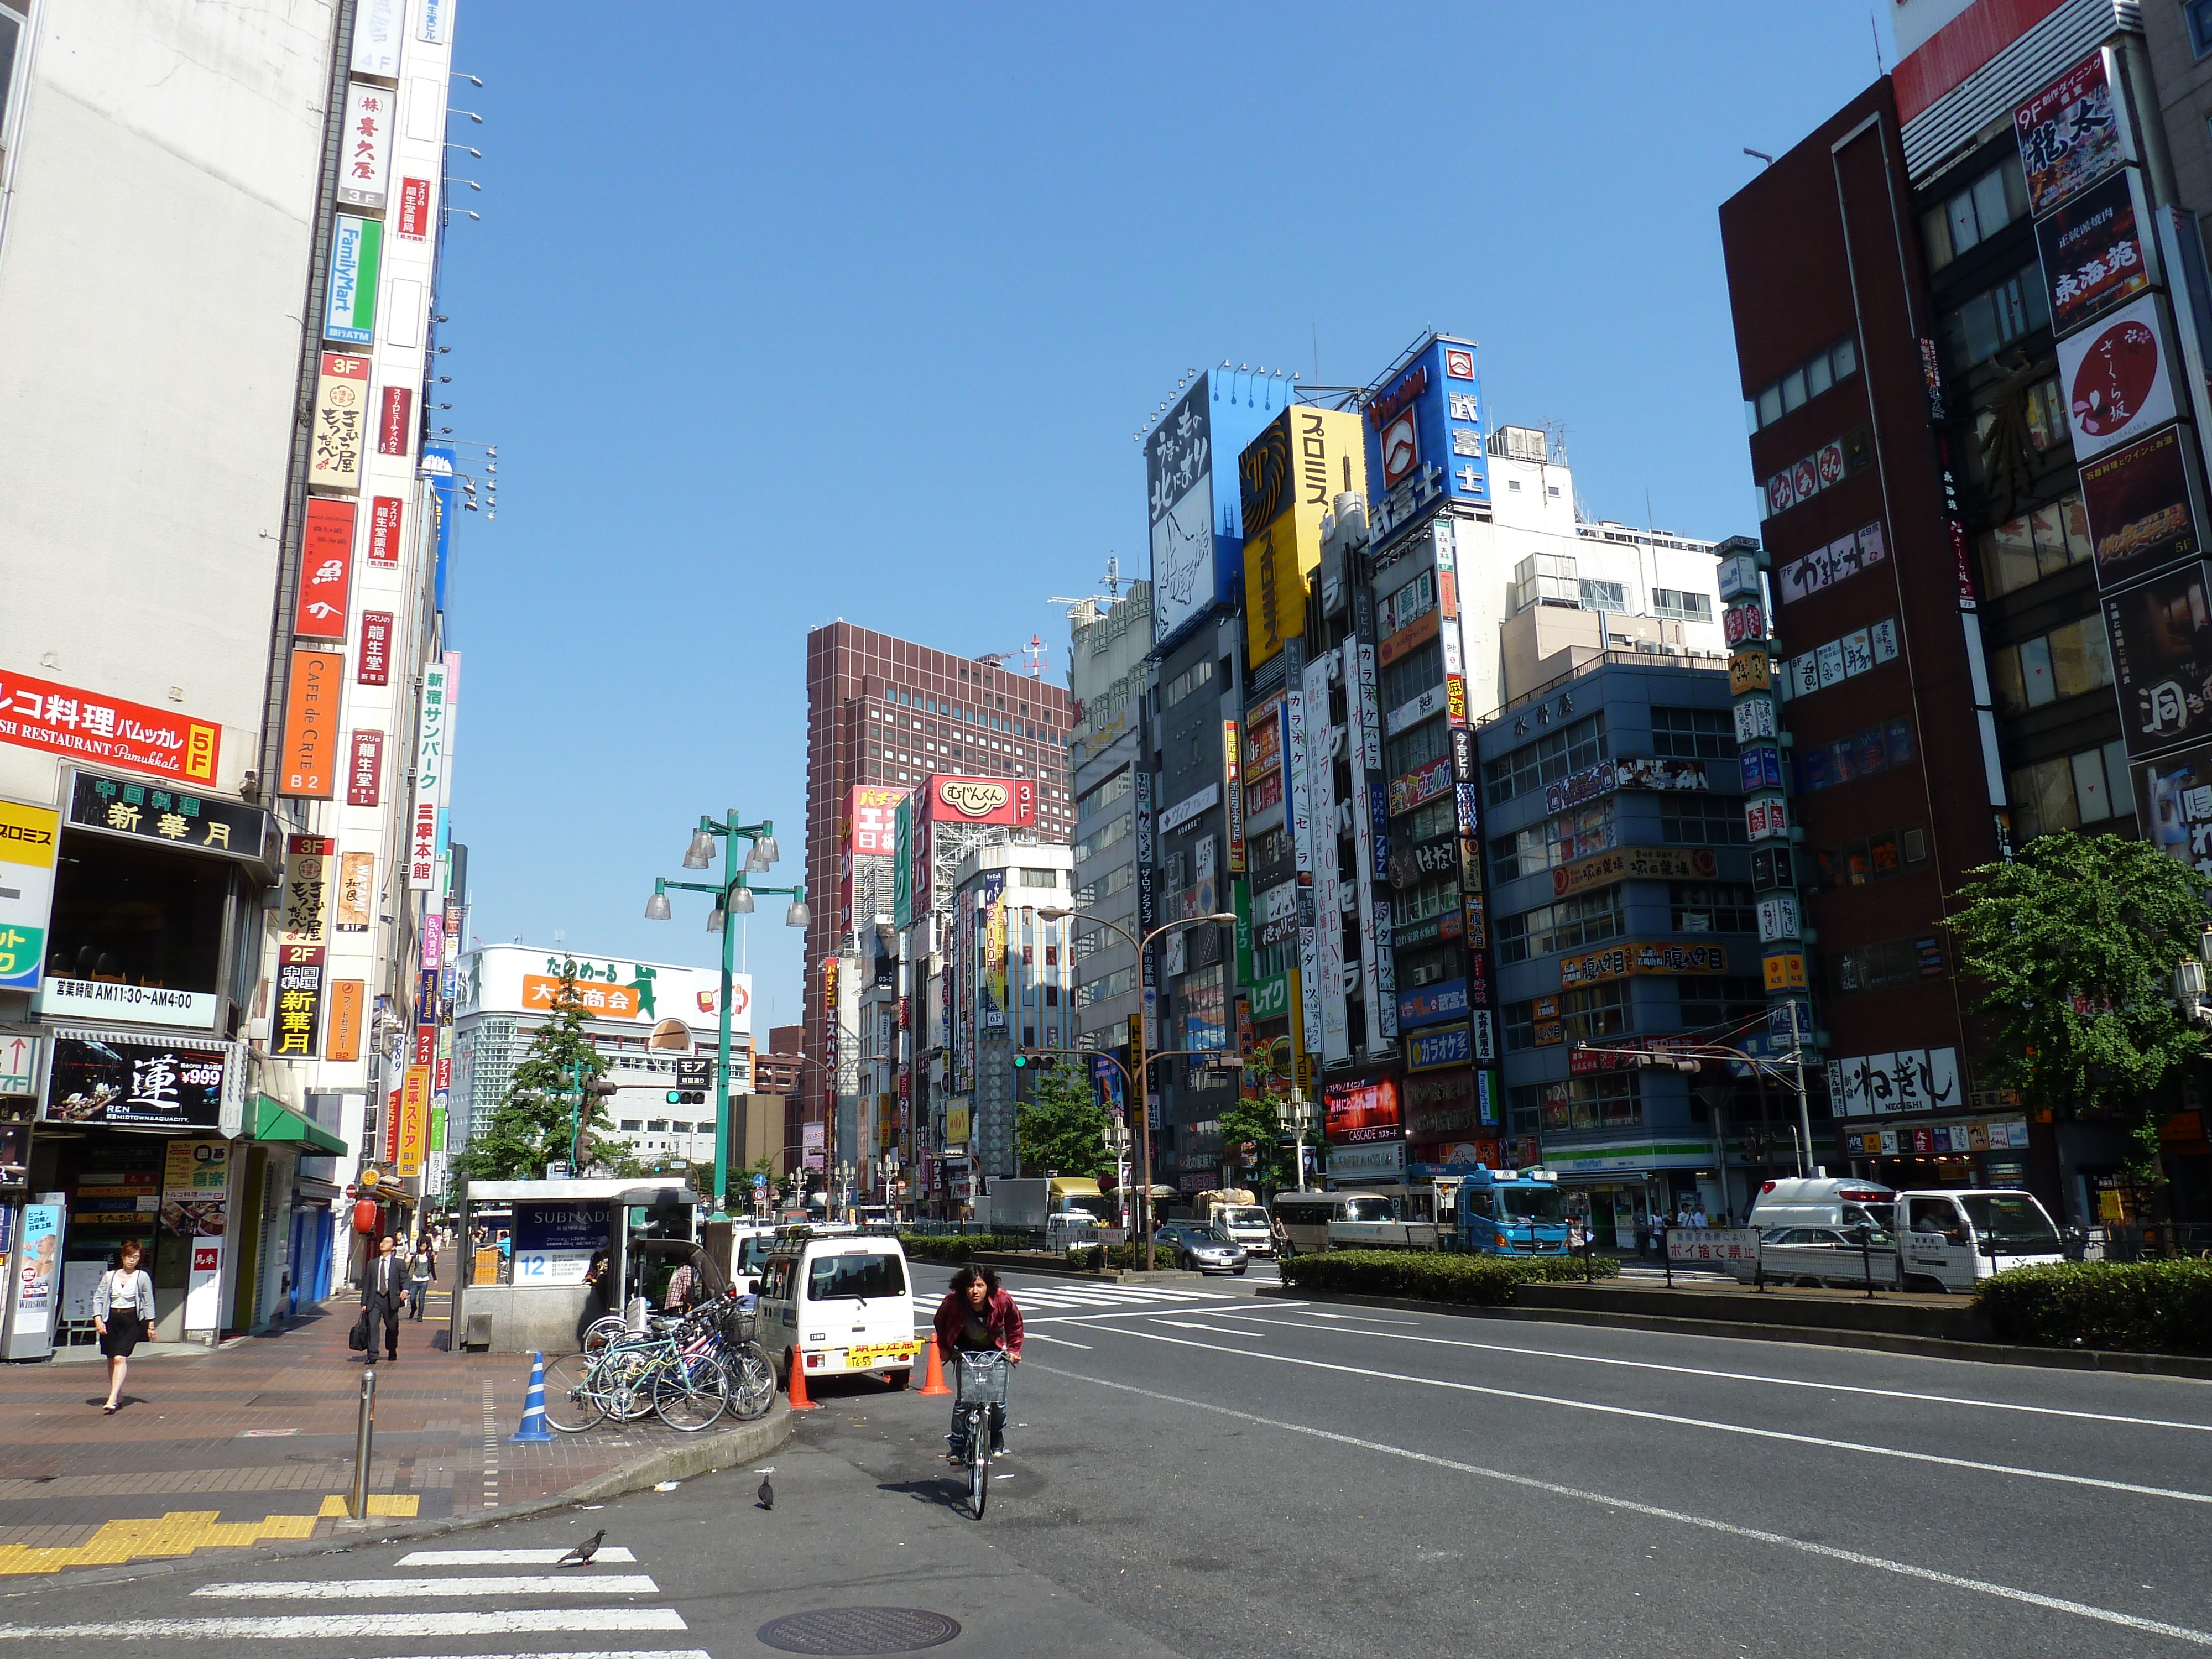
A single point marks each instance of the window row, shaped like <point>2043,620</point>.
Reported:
<point>1547,759</point>
<point>1712,907</point>
<point>1105,836</point>
<point>1429,741</point>
<point>2043,543</point>
<point>1694,733</point>
<point>1186,683</point>
<point>1100,796</point>
<point>1582,1015</point>
<point>1802,384</point>
<point>1679,605</point>
<point>2063,663</point>
<point>1608,1101</point>
<point>1973,214</point>
<point>1568,925</point>
<point>2074,790</point>
<point>1407,679</point>
<point>1878,857</point>
<point>1407,605</point>
<point>1704,821</point>
<point>1580,834</point>
<point>1106,988</point>
<point>1886,963</point>
<point>1994,319</point>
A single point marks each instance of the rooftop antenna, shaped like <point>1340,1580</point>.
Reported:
<point>1036,654</point>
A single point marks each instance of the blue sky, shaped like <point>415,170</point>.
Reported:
<point>780,315</point>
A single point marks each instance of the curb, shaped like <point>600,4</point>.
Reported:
<point>1053,1268</point>
<point>2179,1366</point>
<point>702,1456</point>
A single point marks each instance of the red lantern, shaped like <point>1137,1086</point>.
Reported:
<point>365,1218</point>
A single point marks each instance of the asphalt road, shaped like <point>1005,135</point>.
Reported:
<point>1198,1471</point>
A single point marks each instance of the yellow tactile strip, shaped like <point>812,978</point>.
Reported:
<point>180,1532</point>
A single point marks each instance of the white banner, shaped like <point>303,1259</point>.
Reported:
<point>429,781</point>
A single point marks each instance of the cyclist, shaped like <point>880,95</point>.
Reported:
<point>976,1316</point>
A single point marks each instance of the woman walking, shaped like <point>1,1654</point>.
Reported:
<point>421,1268</point>
<point>121,1307</point>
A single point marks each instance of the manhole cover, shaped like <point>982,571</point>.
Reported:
<point>860,1630</point>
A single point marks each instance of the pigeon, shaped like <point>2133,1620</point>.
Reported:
<point>582,1555</point>
<point>766,1494</point>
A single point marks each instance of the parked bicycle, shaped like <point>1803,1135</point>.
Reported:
<point>687,1371</point>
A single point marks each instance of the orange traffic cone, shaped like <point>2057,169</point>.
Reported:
<point>800,1402</point>
<point>935,1382</point>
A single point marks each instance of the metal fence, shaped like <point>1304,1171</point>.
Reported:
<point>2147,1241</point>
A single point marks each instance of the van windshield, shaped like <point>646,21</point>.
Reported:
<point>854,1278</point>
<point>1367,1209</point>
<point>1241,1215</point>
<point>752,1253</point>
<point>1532,1204</point>
<point>1883,1215</point>
<point>2011,1222</point>
<point>1097,1207</point>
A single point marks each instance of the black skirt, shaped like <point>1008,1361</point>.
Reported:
<point>125,1330</point>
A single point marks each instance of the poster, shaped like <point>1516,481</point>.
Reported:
<point>2173,804</point>
<point>2092,252</point>
<point>1359,1112</point>
<point>28,836</point>
<point>134,1082</point>
<point>37,1282</point>
<point>2161,645</point>
<point>341,426</point>
<point>195,1188</point>
<point>2069,135</point>
<point>2141,509</point>
<point>365,145</point>
<point>2118,382</point>
<point>355,891</point>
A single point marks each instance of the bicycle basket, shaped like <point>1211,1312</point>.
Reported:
<point>982,1379</point>
<point>737,1322</point>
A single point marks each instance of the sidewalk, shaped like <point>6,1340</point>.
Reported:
<point>253,1442</point>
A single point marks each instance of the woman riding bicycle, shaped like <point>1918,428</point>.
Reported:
<point>976,1316</point>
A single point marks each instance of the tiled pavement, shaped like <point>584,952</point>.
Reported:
<point>252,1440</point>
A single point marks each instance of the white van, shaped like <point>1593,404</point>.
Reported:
<point>838,1303</point>
<point>750,1247</point>
<point>1822,1201</point>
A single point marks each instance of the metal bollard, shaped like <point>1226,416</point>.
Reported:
<point>363,1433</point>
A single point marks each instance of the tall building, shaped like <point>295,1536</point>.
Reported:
<point>887,713</point>
<point>228,690</point>
<point>1110,675</point>
<point>776,1069</point>
<point>1984,551</point>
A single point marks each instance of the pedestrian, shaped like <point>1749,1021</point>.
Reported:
<point>1642,1235</point>
<point>1698,1214</point>
<point>421,1269</point>
<point>382,1294</point>
<point>120,1308</point>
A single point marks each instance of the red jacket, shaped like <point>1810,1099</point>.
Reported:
<point>1000,1317</point>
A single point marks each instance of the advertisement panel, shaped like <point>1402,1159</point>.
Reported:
<point>1234,797</point>
<point>1425,423</point>
<point>357,251</point>
<point>2071,134</point>
<point>1353,1112</point>
<point>28,837</point>
<point>414,1121</point>
<point>395,423</point>
<point>310,755</point>
<point>365,159</point>
<point>429,774</point>
<point>1287,477</point>
<point>869,828</point>
<point>982,800</point>
<point>36,713</point>
<point>126,1080</point>
<point>1192,495</point>
<point>1623,960</point>
<point>2093,252</point>
<point>377,31</point>
<point>298,1007</point>
<point>1635,863</point>
<point>341,428</point>
<point>2173,803</point>
<point>1430,1004</point>
<point>342,1036</point>
<point>2117,378</point>
<point>1384,1160</point>
<point>385,518</point>
<point>2162,648</point>
<point>1444,1045</point>
<point>326,571</point>
<point>2142,508</point>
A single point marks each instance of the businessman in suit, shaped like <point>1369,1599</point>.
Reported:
<point>384,1293</point>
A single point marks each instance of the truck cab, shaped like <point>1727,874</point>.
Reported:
<point>1511,1212</point>
<point>1951,1241</point>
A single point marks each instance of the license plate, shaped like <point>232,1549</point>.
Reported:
<point>880,1354</point>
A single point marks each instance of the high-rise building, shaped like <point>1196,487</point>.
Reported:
<point>888,713</point>
<point>1110,672</point>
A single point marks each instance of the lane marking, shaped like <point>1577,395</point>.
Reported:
<point>1729,1528</point>
<point>1726,1376</point>
<point>1039,1336</point>
<point>343,1589</point>
<point>1369,1373</point>
<point>402,1626</point>
<point>609,1555</point>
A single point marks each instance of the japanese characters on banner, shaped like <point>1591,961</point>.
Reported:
<point>384,519</point>
<point>1908,1080</point>
<point>326,570</point>
<point>2161,650</point>
<point>416,196</point>
<point>2118,376</point>
<point>1325,974</point>
<point>2092,251</point>
<point>28,837</point>
<point>61,719</point>
<point>1823,566</point>
<point>2143,509</point>
<point>1831,463</point>
<point>299,1001</point>
<point>1860,652</point>
<point>365,769</point>
<point>2072,133</point>
<point>310,755</point>
<point>395,425</point>
<point>365,145</point>
<point>341,427</point>
<point>356,891</point>
<point>377,31</point>
<point>375,665</point>
<point>414,1121</point>
<point>302,947</point>
<point>429,777</point>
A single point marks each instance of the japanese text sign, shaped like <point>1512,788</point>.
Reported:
<point>38,714</point>
<point>341,426</point>
<point>365,145</point>
<point>310,757</point>
<point>325,569</point>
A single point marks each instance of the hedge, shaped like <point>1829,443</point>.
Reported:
<point>1092,1258</point>
<point>2141,1307</point>
<point>1487,1281</point>
<point>956,1247</point>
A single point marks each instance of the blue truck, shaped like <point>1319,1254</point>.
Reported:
<point>1511,1212</point>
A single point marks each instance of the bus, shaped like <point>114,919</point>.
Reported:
<point>1512,1212</point>
<point>1302,1221</point>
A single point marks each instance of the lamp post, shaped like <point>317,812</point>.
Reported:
<point>733,895</point>
<point>1143,1103</point>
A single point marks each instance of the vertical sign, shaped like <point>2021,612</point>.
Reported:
<point>383,530</point>
<point>395,426</point>
<point>429,778</point>
<point>307,890</point>
<point>356,891</point>
<point>375,665</point>
<point>311,712</point>
<point>326,570</point>
<point>414,1121</point>
<point>356,253</point>
<point>341,423</point>
<point>27,840</point>
<point>414,209</point>
<point>341,1040</point>
<point>365,144</point>
<point>299,1001</point>
<point>365,769</point>
<point>376,33</point>
<point>1233,784</point>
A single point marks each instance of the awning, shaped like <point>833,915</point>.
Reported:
<point>273,1120</point>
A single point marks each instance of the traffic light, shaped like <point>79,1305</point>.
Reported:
<point>687,1098</point>
<point>1020,1061</point>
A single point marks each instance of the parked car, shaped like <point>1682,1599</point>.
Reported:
<point>1827,1256</point>
<point>1206,1249</point>
<point>836,1303</point>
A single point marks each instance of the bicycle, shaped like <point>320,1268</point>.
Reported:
<point>686,1370</point>
<point>981,1384</point>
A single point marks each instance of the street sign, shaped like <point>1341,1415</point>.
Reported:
<point>19,1065</point>
<point>695,1072</point>
<point>759,1182</point>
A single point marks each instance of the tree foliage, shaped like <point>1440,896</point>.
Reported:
<point>1250,1129</point>
<point>2076,940</point>
<point>1064,1126</point>
<point>531,1128</point>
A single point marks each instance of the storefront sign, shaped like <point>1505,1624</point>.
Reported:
<point>168,818</point>
<point>1938,1140</point>
<point>28,837</point>
<point>429,774</point>
<point>63,720</point>
<point>129,1080</point>
<point>365,768</point>
<point>2117,380</point>
<point>307,890</point>
<point>1907,1080</point>
<point>375,662</point>
<point>384,522</point>
<point>1431,1004</point>
<point>2070,134</point>
<point>1271,997</point>
<point>356,891</point>
<point>1411,638</point>
<point>299,1006</point>
<point>1355,1112</point>
<point>2143,508</point>
<point>1188,808</point>
<point>2161,648</point>
<point>1440,1105</point>
<point>1378,1160</point>
<point>340,433</point>
<point>342,1038</point>
<point>356,250</point>
<point>1425,783</point>
<point>1823,566</point>
<point>414,1121</point>
<point>415,199</point>
<point>395,424</point>
<point>1234,797</point>
<point>1619,960</point>
<point>1635,863</point>
<point>326,570</point>
<point>2093,252</point>
<point>365,144</point>
<point>1609,775</point>
<point>309,760</point>
<point>1445,1045</point>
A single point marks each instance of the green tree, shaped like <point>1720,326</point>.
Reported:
<point>531,1128</point>
<point>1063,1126</point>
<point>2076,941</point>
<point>1250,1129</point>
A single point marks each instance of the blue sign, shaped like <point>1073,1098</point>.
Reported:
<point>1194,502</point>
<point>1378,827</point>
<point>759,1182</point>
<point>1762,767</point>
<point>1448,1045</point>
<point>1426,434</point>
<point>1430,1004</point>
<point>562,1224</point>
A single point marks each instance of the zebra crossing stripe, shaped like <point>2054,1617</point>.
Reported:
<point>361,1626</point>
<point>610,1555</point>
<point>343,1589</point>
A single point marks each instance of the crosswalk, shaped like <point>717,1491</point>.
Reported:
<point>1090,1298</point>
<point>444,1600</point>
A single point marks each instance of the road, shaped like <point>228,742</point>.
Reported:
<point>1200,1471</point>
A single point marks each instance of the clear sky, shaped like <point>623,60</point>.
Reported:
<point>783,314</point>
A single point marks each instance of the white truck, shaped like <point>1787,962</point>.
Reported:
<point>1031,1205</point>
<point>1238,1214</point>
<point>1948,1240</point>
<point>1393,1218</point>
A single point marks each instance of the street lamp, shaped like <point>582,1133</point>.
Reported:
<point>733,893</point>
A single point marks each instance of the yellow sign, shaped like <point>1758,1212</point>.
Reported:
<point>414,1121</point>
<point>1750,671</point>
<point>1290,474</point>
<point>877,1353</point>
<point>27,835</point>
<point>1618,961</point>
<point>955,1126</point>
<point>1786,972</point>
<point>1635,863</point>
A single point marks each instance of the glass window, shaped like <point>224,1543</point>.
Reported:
<point>11,36</point>
<point>2004,681</point>
<point>2008,561</point>
<point>1712,907</point>
<point>2035,676</point>
<point>1439,817</point>
<point>2080,660</point>
<point>1611,597</point>
<point>1977,330</point>
<point>2049,538</point>
<point>1844,358</point>
<point>2076,518</point>
<point>1817,377</point>
<point>2198,12</point>
<point>1770,405</point>
<point>1407,679</point>
<point>2117,784</point>
<point>1694,733</point>
<point>1959,212</point>
<point>1990,212</point>
<point>1793,389</point>
<point>1935,237</point>
<point>2090,796</point>
<point>130,915</point>
<point>854,1278</point>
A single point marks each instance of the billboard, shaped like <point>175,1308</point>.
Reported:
<point>28,836</point>
<point>2161,645</point>
<point>2142,508</point>
<point>356,250</point>
<point>517,980</point>
<point>365,145</point>
<point>1192,505</point>
<point>1358,1112</point>
<point>1287,477</point>
<point>2071,134</point>
<point>86,726</point>
<point>141,1081</point>
<point>980,800</point>
<point>869,828</point>
<point>310,755</point>
<point>341,425</point>
<point>2173,802</point>
<point>2092,251</point>
<point>2117,377</point>
<point>1424,423</point>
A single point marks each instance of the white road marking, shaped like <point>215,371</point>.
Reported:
<point>1369,1373</point>
<point>1039,1336</point>
<point>609,1555</point>
<point>362,1626</point>
<point>1754,1535</point>
<point>1725,1377</point>
<point>580,1582</point>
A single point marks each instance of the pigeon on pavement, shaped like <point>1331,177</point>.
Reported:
<point>582,1555</point>
<point>766,1494</point>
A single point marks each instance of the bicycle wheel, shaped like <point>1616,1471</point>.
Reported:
<point>978,1461</point>
<point>606,1329</point>
<point>572,1404</point>
<point>750,1378</point>
<point>690,1397</point>
<point>624,1381</point>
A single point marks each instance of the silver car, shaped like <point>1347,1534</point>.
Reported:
<point>1827,1255</point>
<point>1206,1249</point>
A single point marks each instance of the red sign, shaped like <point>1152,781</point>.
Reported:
<point>84,725</point>
<point>414,209</point>
<point>395,427</point>
<point>207,1258</point>
<point>365,769</point>
<point>871,827</point>
<point>390,1127</point>
<point>426,1045</point>
<point>383,530</point>
<point>326,570</point>
<point>2117,378</point>
<point>1362,1112</point>
<point>982,800</point>
<point>445,1074</point>
<point>375,665</point>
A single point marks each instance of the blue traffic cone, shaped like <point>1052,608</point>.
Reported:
<point>533,1405</point>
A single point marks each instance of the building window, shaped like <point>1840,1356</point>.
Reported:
<point>2070,791</point>
<point>1186,683</point>
<point>1567,925</point>
<point>1607,1101</point>
<point>1546,846</point>
<point>1429,741</point>
<point>1710,1002</point>
<point>1994,319</point>
<point>1546,760</point>
<point>2063,663</point>
<point>1801,385</point>
<point>1704,822</point>
<point>1874,858</point>
<point>1439,817</point>
<point>1609,596</point>
<point>1694,733</point>
<point>2042,542</point>
<point>1431,898</point>
<point>1100,796</point>
<point>1974,214</point>
<point>1034,878</point>
<point>1681,605</point>
<point>1890,962</point>
<point>1407,679</point>
<point>1712,907</point>
<point>129,914</point>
